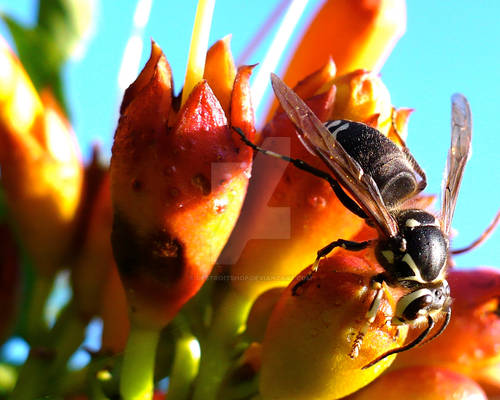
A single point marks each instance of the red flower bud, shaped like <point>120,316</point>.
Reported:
<point>423,383</point>
<point>178,182</point>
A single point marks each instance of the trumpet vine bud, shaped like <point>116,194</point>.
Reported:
<point>178,179</point>
<point>356,34</point>
<point>423,383</point>
<point>41,165</point>
<point>307,349</point>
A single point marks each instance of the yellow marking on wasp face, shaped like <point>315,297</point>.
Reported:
<point>416,271</point>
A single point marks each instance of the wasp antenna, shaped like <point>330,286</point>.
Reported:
<point>416,342</point>
<point>443,326</point>
<point>481,239</point>
<point>348,203</point>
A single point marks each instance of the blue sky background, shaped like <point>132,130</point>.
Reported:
<point>448,47</point>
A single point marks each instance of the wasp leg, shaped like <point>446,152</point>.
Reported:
<point>418,340</point>
<point>369,318</point>
<point>346,201</point>
<point>423,183</point>
<point>346,244</point>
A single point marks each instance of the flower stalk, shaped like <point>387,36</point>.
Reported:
<point>136,382</point>
<point>217,349</point>
<point>185,367</point>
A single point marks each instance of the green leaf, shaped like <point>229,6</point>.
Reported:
<point>43,50</point>
<point>68,22</point>
<point>56,21</point>
<point>40,56</point>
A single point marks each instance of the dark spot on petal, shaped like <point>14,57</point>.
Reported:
<point>174,192</point>
<point>157,255</point>
<point>201,182</point>
<point>136,185</point>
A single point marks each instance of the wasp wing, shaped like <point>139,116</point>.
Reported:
<point>318,139</point>
<point>461,135</point>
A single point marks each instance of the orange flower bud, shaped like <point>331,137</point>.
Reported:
<point>318,81</point>
<point>489,379</point>
<point>362,96</point>
<point>289,214</point>
<point>471,342</point>
<point>41,165</point>
<point>307,349</point>
<point>356,34</point>
<point>114,314</point>
<point>95,257</point>
<point>399,127</point>
<point>422,383</point>
<point>21,110</point>
<point>177,189</point>
<point>259,314</point>
<point>220,71</point>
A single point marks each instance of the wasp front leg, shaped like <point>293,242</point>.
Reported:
<point>345,244</point>
<point>369,318</point>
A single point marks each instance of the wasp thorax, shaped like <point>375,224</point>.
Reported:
<point>424,259</point>
<point>379,157</point>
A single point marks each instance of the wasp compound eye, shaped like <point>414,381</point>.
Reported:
<point>411,306</point>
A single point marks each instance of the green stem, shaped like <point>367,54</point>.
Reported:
<point>185,368</point>
<point>95,391</point>
<point>30,381</point>
<point>67,335</point>
<point>36,326</point>
<point>217,354</point>
<point>41,373</point>
<point>74,382</point>
<point>138,364</point>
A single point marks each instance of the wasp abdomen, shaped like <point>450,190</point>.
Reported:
<point>379,157</point>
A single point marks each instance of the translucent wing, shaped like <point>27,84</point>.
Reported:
<point>461,135</point>
<point>317,139</point>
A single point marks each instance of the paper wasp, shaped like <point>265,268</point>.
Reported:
<point>413,245</point>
